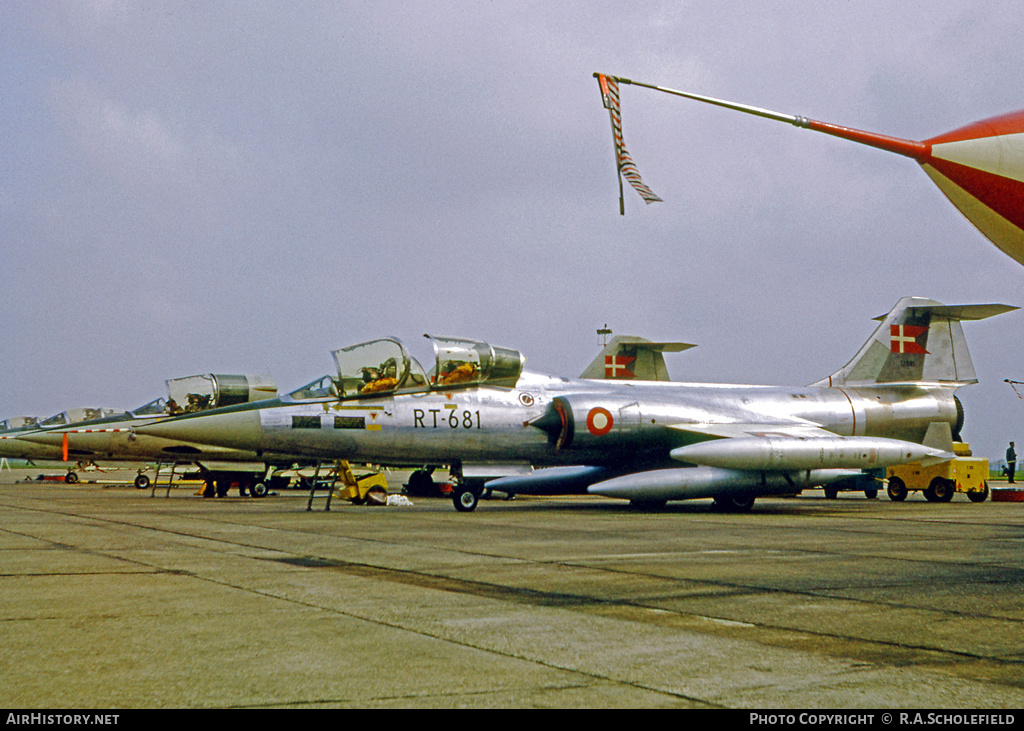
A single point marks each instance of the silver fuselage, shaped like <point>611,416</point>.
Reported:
<point>605,423</point>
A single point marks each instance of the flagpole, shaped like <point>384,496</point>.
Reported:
<point>720,102</point>
<point>908,148</point>
<point>622,198</point>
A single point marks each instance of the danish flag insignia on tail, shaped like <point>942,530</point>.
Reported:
<point>903,339</point>
<point>616,366</point>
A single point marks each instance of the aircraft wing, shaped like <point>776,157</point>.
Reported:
<point>747,460</point>
<point>733,462</point>
<point>729,430</point>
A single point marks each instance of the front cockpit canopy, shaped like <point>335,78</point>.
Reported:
<point>384,366</point>
<point>320,388</point>
<point>377,367</point>
<point>157,407</point>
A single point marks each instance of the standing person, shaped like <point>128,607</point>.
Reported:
<point>1011,462</point>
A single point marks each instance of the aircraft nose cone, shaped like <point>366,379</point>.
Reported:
<point>240,429</point>
<point>14,447</point>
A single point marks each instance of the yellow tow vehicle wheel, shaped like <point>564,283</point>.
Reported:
<point>978,496</point>
<point>940,490</point>
<point>897,490</point>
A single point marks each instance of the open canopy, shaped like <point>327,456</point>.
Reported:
<point>385,366</point>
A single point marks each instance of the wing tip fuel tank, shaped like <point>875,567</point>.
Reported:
<point>692,483</point>
<point>797,453</point>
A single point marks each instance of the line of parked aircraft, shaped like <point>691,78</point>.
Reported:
<point>621,430</point>
<point>90,435</point>
<point>83,436</point>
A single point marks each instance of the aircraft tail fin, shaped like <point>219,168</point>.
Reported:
<point>920,340</point>
<point>939,436</point>
<point>630,358</point>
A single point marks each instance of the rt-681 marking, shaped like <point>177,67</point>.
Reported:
<point>453,419</point>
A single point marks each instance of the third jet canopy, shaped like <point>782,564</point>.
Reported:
<point>477,410</point>
<point>91,435</point>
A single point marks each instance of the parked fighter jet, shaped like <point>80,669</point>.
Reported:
<point>15,445</point>
<point>623,358</point>
<point>647,442</point>
<point>113,436</point>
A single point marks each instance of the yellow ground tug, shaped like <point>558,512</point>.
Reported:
<point>367,489</point>
<point>370,488</point>
<point>940,481</point>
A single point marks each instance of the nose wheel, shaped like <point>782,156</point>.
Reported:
<point>465,498</point>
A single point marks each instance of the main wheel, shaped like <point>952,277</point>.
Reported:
<point>142,482</point>
<point>465,499</point>
<point>831,493</point>
<point>71,478</point>
<point>652,505</point>
<point>259,489</point>
<point>421,483</point>
<point>897,490</point>
<point>739,503</point>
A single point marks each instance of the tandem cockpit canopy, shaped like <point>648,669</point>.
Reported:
<point>73,416</point>
<point>212,390</point>
<point>385,367</point>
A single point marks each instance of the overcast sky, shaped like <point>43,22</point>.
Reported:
<point>242,187</point>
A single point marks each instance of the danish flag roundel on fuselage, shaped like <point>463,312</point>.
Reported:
<point>599,421</point>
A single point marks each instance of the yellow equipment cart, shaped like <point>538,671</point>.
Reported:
<point>940,481</point>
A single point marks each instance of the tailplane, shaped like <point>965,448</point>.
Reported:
<point>629,358</point>
<point>920,340</point>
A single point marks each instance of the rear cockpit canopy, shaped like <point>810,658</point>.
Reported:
<point>470,361</point>
<point>385,367</point>
<point>18,422</point>
<point>213,390</point>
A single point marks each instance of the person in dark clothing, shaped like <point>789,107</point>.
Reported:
<point>1011,463</point>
